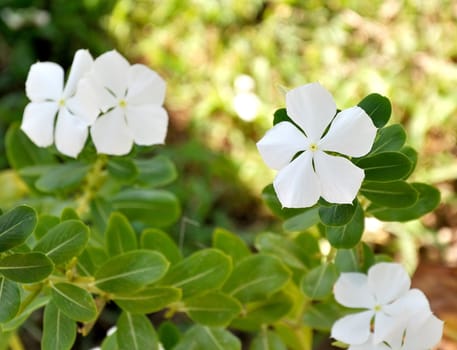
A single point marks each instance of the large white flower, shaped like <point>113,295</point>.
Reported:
<point>131,97</point>
<point>384,294</point>
<point>74,108</point>
<point>315,172</point>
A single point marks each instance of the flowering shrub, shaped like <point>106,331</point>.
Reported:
<point>92,229</point>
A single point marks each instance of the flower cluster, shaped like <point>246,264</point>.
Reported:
<point>120,104</point>
<point>394,317</point>
<point>300,150</point>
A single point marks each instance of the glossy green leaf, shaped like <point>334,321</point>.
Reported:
<point>230,244</point>
<point>59,331</point>
<point>26,268</point>
<point>45,223</point>
<point>280,115</point>
<point>15,226</point>
<point>203,271</point>
<point>385,166</point>
<point>307,218</point>
<point>378,108</point>
<point>318,282</point>
<point>200,337</point>
<point>337,214</point>
<point>389,139</point>
<point>75,302</point>
<point>10,299</point>
<point>64,241</point>
<point>119,236</point>
<point>151,207</point>
<point>130,271</point>
<point>122,169</point>
<point>256,277</point>
<point>428,199</point>
<point>267,340</point>
<point>157,171</point>
<point>357,259</point>
<point>135,332</point>
<point>214,309</point>
<point>411,154</point>
<point>156,239</point>
<point>62,176</point>
<point>169,334</point>
<point>396,194</point>
<point>321,316</point>
<point>147,300</point>
<point>350,234</point>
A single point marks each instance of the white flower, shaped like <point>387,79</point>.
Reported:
<point>131,97</point>
<point>74,108</point>
<point>314,172</point>
<point>384,293</point>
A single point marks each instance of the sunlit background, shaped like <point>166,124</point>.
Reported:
<point>227,64</point>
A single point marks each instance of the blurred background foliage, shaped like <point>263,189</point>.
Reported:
<point>227,64</point>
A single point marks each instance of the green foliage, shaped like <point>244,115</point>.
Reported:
<point>26,268</point>
<point>15,226</point>
<point>59,331</point>
<point>10,299</point>
<point>147,300</point>
<point>378,108</point>
<point>119,236</point>
<point>135,332</point>
<point>158,240</point>
<point>319,281</point>
<point>201,337</point>
<point>74,302</point>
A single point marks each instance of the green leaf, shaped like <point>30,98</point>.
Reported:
<point>214,309</point>
<point>45,223</point>
<point>318,282</point>
<point>322,316</point>
<point>59,331</point>
<point>310,245</point>
<point>280,115</point>
<point>135,332</point>
<point>271,199</point>
<point>90,260</point>
<point>26,268</point>
<point>396,194</point>
<point>148,300</point>
<point>169,334</point>
<point>428,199</point>
<point>119,236</point>
<point>15,226</point>
<point>110,342</point>
<point>122,169</point>
<point>62,176</point>
<point>64,241</point>
<point>256,277</point>
<point>152,207</point>
<point>337,214</point>
<point>200,337</point>
<point>357,259</point>
<point>230,244</point>
<point>75,302</point>
<point>267,340</point>
<point>411,154</point>
<point>385,166</point>
<point>389,139</point>
<point>22,316</point>
<point>69,214</point>
<point>378,108</point>
<point>100,211</point>
<point>130,271</point>
<point>307,218</point>
<point>156,239</point>
<point>157,171</point>
<point>10,299</point>
<point>203,271</point>
<point>350,234</point>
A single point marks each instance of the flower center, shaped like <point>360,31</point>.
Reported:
<point>122,103</point>
<point>378,308</point>
<point>61,102</point>
<point>313,147</point>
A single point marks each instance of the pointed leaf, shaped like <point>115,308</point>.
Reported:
<point>75,302</point>
<point>59,331</point>
<point>119,236</point>
<point>10,299</point>
<point>26,268</point>
<point>230,244</point>
<point>64,241</point>
<point>200,337</point>
<point>15,226</point>
<point>148,300</point>
<point>135,332</point>
<point>378,108</point>
<point>396,194</point>
<point>318,282</point>
<point>350,234</point>
<point>130,271</point>
<point>156,239</point>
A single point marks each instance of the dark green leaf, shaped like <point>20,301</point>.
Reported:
<point>396,194</point>
<point>158,171</point>
<point>357,259</point>
<point>75,302</point>
<point>10,299</point>
<point>350,234</point>
<point>230,244</point>
<point>389,139</point>
<point>122,169</point>
<point>337,214</point>
<point>15,226</point>
<point>280,115</point>
<point>169,334</point>
<point>411,154</point>
<point>150,299</point>
<point>26,268</point>
<point>62,176</point>
<point>307,218</point>
<point>385,166</point>
<point>205,338</point>
<point>318,282</point>
<point>378,108</point>
<point>119,236</point>
<point>156,239</point>
<point>135,332</point>
<point>59,331</point>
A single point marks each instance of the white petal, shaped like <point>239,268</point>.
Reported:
<point>386,325</point>
<point>340,179</point>
<point>145,86</point>
<point>369,345</point>
<point>410,304</point>
<point>84,103</point>
<point>351,290</point>
<point>148,124</point>
<point>388,281</point>
<point>71,133</point>
<point>111,70</point>
<point>280,144</point>
<point>312,108</point>
<point>352,132</point>
<point>353,329</point>
<point>96,91</point>
<point>38,122</point>
<point>296,184</point>
<point>111,134</point>
<point>44,82</point>
<point>424,335</point>
<point>82,63</point>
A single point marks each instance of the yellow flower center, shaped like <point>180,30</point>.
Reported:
<point>61,102</point>
<point>378,308</point>
<point>122,103</point>
<point>313,147</point>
